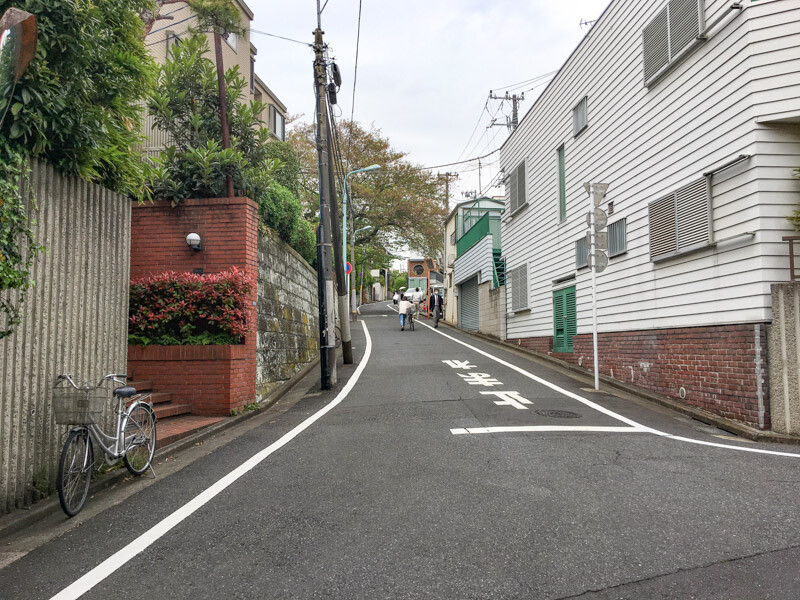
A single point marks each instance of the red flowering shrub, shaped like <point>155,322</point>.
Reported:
<point>189,309</point>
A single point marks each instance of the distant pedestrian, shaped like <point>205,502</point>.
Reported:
<point>437,302</point>
<point>396,297</point>
<point>404,307</point>
<point>416,298</point>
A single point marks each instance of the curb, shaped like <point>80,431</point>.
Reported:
<point>735,427</point>
<point>45,508</point>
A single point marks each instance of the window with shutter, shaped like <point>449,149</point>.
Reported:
<point>679,222</point>
<point>580,117</point>
<point>517,196</point>
<point>675,26</point>
<point>617,240</point>
<point>562,185</point>
<point>519,288</point>
<point>581,252</point>
<point>565,321</point>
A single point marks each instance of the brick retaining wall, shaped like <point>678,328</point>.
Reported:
<point>716,365</point>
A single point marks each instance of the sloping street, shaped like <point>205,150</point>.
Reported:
<point>446,467</point>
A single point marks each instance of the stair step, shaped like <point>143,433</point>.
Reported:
<point>141,385</point>
<point>169,409</point>
<point>173,429</point>
<point>160,397</point>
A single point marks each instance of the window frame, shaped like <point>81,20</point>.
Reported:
<point>561,175</point>
<point>576,131</point>
<point>672,23</point>
<point>514,191</point>
<point>624,225</point>
<point>581,241</point>
<point>515,285</point>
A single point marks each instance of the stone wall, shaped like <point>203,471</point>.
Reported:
<point>288,313</point>
<point>492,318</point>
<point>784,358</point>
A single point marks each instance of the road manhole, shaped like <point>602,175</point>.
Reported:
<point>558,414</point>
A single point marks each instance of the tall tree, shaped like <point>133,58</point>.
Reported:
<point>221,18</point>
<point>402,203</point>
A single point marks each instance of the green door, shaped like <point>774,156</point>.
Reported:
<point>565,322</point>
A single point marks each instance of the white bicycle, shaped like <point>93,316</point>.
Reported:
<point>134,440</point>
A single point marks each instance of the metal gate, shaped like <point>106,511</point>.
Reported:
<point>468,305</point>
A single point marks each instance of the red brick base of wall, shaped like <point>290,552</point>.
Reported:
<point>214,379</point>
<point>723,369</point>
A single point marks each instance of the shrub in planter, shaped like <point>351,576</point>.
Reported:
<point>190,309</point>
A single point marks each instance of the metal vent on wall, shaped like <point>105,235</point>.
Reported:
<point>675,26</point>
<point>680,221</point>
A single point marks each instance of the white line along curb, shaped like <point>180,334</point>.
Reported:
<point>149,537</point>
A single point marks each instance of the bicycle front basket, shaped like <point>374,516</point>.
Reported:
<point>78,407</point>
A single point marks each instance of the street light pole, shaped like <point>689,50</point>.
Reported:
<point>344,220</point>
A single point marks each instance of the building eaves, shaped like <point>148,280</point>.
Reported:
<point>558,74</point>
<point>261,83</point>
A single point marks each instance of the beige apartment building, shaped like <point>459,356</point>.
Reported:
<point>236,50</point>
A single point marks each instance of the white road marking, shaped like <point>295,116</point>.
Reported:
<point>514,399</point>
<point>638,426</point>
<point>483,379</point>
<point>529,428</point>
<point>459,364</point>
<point>149,537</point>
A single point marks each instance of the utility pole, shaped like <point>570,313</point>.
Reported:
<point>515,100</point>
<point>223,107</point>
<point>447,177</point>
<point>327,340</point>
<point>341,285</point>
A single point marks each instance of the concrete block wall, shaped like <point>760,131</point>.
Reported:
<point>784,358</point>
<point>492,317</point>
<point>75,320</point>
<point>288,313</point>
<point>722,369</point>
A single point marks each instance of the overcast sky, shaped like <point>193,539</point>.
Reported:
<point>425,68</point>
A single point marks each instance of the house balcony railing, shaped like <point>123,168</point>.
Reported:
<point>488,224</point>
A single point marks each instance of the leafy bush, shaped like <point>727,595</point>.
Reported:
<point>190,309</point>
<point>185,104</point>
<point>78,105</point>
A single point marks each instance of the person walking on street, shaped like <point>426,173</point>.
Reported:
<point>437,302</point>
<point>403,307</point>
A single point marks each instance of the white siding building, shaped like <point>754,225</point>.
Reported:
<point>690,111</point>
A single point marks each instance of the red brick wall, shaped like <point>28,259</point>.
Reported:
<point>213,379</point>
<point>228,230</point>
<point>715,365</point>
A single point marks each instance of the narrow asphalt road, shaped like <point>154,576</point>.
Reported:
<point>447,468</point>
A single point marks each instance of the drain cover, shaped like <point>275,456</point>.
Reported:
<point>558,414</point>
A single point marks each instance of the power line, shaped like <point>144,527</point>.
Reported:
<point>355,78</point>
<point>167,27</point>
<point>280,37</point>
<point>459,162</point>
<point>525,82</point>
<point>480,116</point>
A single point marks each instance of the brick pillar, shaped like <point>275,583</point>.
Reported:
<point>228,230</point>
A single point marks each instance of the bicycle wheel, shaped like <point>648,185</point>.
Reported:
<point>75,471</point>
<point>139,427</point>
<point>412,323</point>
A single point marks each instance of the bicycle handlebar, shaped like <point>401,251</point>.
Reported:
<point>115,377</point>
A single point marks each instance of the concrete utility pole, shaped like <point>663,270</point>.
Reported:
<point>223,107</point>
<point>341,284</point>
<point>447,177</point>
<point>327,341</point>
<point>515,100</point>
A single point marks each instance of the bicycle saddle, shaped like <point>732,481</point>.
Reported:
<point>125,392</point>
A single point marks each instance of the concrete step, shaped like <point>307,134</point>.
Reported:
<point>170,409</point>
<point>173,429</point>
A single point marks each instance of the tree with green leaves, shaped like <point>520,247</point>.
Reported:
<point>403,204</point>
<point>78,107</point>
<point>220,18</point>
<point>185,104</point>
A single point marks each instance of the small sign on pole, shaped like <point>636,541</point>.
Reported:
<point>348,268</point>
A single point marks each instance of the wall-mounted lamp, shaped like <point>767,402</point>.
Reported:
<point>193,241</point>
